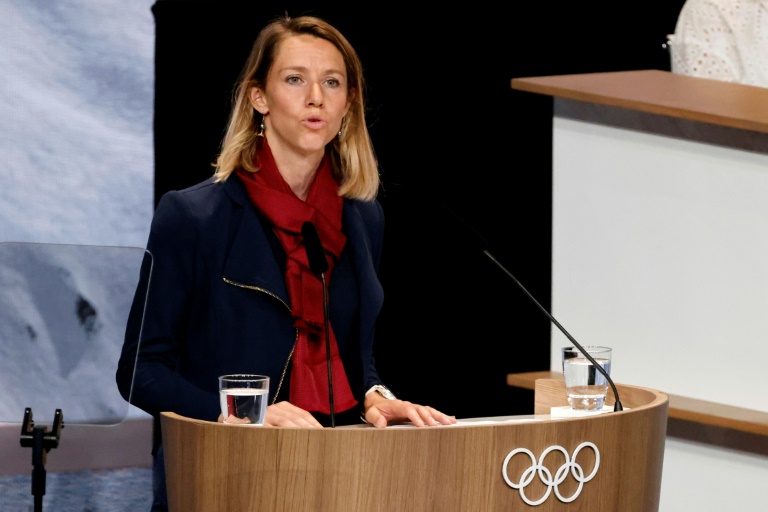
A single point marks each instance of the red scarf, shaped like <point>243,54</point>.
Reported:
<point>272,196</point>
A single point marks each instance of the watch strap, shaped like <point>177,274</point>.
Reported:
<point>381,390</point>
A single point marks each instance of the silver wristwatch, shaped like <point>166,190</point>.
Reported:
<point>383,391</point>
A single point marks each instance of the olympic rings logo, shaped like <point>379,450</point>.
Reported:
<point>545,475</point>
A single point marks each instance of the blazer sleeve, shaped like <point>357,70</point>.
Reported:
<point>371,216</point>
<point>154,337</point>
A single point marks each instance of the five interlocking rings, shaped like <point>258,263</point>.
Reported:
<point>570,465</point>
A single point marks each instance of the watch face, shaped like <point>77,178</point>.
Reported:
<point>386,393</point>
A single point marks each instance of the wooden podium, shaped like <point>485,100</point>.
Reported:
<point>486,464</point>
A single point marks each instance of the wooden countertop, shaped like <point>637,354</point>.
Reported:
<point>693,419</point>
<point>661,92</point>
<point>680,407</point>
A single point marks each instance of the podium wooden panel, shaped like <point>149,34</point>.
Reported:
<point>212,466</point>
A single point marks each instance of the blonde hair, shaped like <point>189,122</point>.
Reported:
<point>353,159</point>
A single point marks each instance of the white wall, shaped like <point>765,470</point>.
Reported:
<point>660,250</point>
<point>704,478</point>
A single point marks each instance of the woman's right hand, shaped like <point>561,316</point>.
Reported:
<point>285,414</point>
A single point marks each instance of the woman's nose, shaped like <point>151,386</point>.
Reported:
<point>315,95</point>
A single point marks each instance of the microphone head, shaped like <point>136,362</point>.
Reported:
<point>318,263</point>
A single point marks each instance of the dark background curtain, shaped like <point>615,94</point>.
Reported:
<point>465,162</point>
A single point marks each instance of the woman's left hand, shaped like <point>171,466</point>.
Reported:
<point>384,412</point>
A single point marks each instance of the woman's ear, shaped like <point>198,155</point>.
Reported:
<point>256,96</point>
<point>350,98</point>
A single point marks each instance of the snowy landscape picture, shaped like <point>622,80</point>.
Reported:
<point>64,311</point>
<point>77,167</point>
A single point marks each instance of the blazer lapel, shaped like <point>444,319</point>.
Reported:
<point>250,260</point>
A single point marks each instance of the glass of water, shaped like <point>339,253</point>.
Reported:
<point>585,385</point>
<point>243,398</point>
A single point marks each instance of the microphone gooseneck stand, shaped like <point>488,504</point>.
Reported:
<point>616,406</point>
<point>318,264</point>
<point>41,441</point>
<point>328,350</point>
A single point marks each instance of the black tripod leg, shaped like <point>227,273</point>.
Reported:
<point>38,467</point>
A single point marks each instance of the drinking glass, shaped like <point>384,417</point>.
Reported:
<point>585,385</point>
<point>244,398</point>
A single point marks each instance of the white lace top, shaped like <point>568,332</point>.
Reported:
<point>723,40</point>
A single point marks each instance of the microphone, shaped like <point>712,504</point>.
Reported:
<point>617,406</point>
<point>318,264</point>
<point>481,242</point>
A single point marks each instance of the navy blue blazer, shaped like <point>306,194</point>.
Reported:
<point>214,301</point>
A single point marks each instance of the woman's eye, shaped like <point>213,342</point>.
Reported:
<point>333,82</point>
<point>293,80</point>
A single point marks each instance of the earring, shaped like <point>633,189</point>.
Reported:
<point>261,127</point>
<point>339,134</point>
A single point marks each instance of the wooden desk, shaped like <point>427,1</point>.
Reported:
<point>692,419</point>
<point>615,95</point>
<point>658,249</point>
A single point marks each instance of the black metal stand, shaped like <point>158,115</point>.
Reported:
<point>41,442</point>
